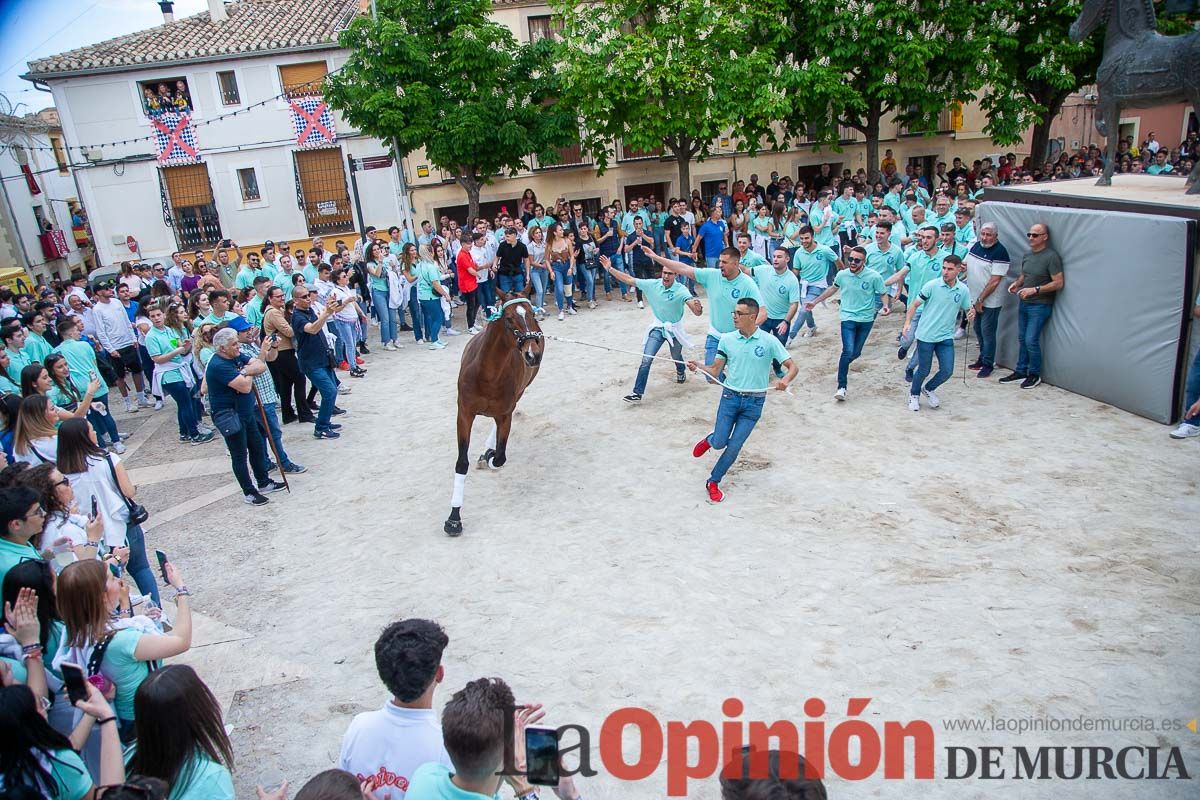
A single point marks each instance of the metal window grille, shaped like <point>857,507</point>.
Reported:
<point>248,182</point>
<point>189,206</point>
<point>324,197</point>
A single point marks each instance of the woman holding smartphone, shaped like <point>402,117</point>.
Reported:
<point>88,594</point>
<point>36,439</point>
<point>67,394</point>
<point>35,380</point>
<point>171,351</point>
<point>181,738</point>
<point>81,363</point>
<point>95,473</point>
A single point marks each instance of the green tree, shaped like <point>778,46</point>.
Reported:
<point>911,58</point>
<point>1032,66</point>
<point>679,76</point>
<point>440,74</point>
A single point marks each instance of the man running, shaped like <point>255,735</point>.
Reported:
<point>921,266</point>
<point>667,298</point>
<point>861,288</point>
<point>813,261</point>
<point>781,295</point>
<point>726,285</point>
<point>938,303</point>
<point>744,355</point>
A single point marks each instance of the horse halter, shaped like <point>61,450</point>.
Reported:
<point>522,337</point>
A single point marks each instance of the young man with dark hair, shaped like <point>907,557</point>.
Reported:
<point>745,354</point>
<point>476,724</point>
<point>115,333</point>
<point>21,518</point>
<point>383,748</point>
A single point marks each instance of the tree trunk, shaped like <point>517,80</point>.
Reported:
<point>874,173</point>
<point>1039,147</point>
<point>471,186</point>
<point>684,159</point>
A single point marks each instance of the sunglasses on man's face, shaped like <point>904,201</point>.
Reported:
<point>854,261</point>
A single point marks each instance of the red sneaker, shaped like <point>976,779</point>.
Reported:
<point>358,360</point>
<point>714,492</point>
<point>344,366</point>
<point>701,447</point>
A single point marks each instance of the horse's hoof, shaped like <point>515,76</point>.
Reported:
<point>485,460</point>
<point>453,527</point>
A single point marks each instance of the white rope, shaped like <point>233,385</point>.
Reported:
<point>711,379</point>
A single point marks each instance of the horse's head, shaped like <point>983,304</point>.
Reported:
<point>517,317</point>
<point>1094,14</point>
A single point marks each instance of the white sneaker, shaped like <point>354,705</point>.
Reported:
<point>451,332</point>
<point>840,394</point>
<point>914,403</point>
<point>117,448</point>
<point>641,304</point>
<point>144,402</point>
<point>389,346</point>
<point>561,316</point>
<point>471,331</point>
<point>158,405</point>
<point>592,304</point>
<point>1185,431</point>
<point>933,398</point>
<point>130,408</point>
<point>571,310</point>
<point>959,333</point>
<point>807,332</point>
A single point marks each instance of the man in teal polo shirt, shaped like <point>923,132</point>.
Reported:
<point>922,265</point>
<point>14,342</point>
<point>744,355</point>
<point>667,298</point>
<point>940,300</point>
<point>861,288</point>
<point>21,518</point>
<point>884,256</point>
<point>781,295</point>
<point>725,285</point>
<point>813,261</point>
<point>748,258</point>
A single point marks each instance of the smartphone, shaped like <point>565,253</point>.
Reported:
<point>75,681</point>
<point>95,508</point>
<point>541,756</point>
<point>162,564</point>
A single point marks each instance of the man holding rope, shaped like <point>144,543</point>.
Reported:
<point>667,298</point>
<point>745,353</point>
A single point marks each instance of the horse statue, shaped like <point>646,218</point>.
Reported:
<point>1140,68</point>
<point>497,367</point>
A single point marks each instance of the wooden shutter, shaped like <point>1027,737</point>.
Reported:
<point>302,79</point>
<point>188,185</point>
<point>323,188</point>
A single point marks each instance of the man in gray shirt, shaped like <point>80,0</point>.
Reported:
<point>1041,276</point>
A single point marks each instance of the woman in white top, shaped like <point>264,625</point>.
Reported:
<point>96,473</point>
<point>36,438</point>
<point>345,322</point>
<point>537,269</point>
<point>66,532</point>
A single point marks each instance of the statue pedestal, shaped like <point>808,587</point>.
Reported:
<point>1120,328</point>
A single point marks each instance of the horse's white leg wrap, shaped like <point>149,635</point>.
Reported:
<point>491,442</point>
<point>456,499</point>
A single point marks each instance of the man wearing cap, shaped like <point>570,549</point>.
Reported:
<point>744,357</point>
<point>264,385</point>
<point>115,334</point>
<point>667,298</point>
<point>313,357</point>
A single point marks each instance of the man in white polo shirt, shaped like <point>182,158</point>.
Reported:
<point>987,266</point>
<point>383,748</point>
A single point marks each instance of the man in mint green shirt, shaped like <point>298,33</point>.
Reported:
<point>744,357</point>
<point>253,268</point>
<point>726,285</point>
<point>813,262</point>
<point>667,298</point>
<point>748,258</point>
<point>781,295</point>
<point>220,301</point>
<point>36,346</point>
<point>884,256</point>
<point>21,518</point>
<point>862,289</point>
<point>254,306</point>
<point>922,265</point>
<point>939,301</point>
<point>14,344</point>
<point>941,214</point>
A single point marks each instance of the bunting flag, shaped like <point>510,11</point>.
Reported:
<point>175,138</point>
<point>313,121</point>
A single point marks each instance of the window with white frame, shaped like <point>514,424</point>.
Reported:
<point>248,185</point>
<point>228,87</point>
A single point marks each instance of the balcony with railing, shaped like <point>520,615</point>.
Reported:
<point>848,135</point>
<point>945,124</point>
<point>572,156</point>
<point>627,153</point>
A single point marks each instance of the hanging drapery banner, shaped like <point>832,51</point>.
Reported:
<point>30,180</point>
<point>175,138</point>
<point>313,121</point>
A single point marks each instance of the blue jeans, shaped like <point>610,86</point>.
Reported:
<point>139,565</point>
<point>431,312</point>
<point>271,411</point>
<point>925,352</point>
<point>771,326</point>
<point>540,278</point>
<point>414,308</point>
<point>562,285</point>
<point>323,381</point>
<point>736,417</point>
<point>654,341</point>
<point>586,280</point>
<point>511,283</point>
<point>185,407</point>
<point>104,424</point>
<point>985,333</point>
<point>907,341</point>
<point>610,283</point>
<point>347,334</point>
<point>248,443</point>
<point>1192,393</point>
<point>854,336</point>
<point>713,262</point>
<point>387,316</point>
<point>802,316</point>
<point>1031,318</point>
<point>147,368</point>
<point>487,294</point>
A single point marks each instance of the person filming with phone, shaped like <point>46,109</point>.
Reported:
<point>313,355</point>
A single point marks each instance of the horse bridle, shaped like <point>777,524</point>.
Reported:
<point>522,337</point>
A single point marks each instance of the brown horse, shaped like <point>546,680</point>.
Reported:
<point>497,366</point>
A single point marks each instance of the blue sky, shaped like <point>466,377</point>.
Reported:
<point>31,29</point>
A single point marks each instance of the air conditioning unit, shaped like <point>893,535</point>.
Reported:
<point>94,154</point>
<point>118,240</point>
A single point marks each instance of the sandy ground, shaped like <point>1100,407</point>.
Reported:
<point>1015,553</point>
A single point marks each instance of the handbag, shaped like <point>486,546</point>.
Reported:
<point>137,512</point>
<point>227,421</point>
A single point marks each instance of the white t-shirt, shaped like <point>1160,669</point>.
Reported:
<point>47,448</point>
<point>98,482</point>
<point>345,294</point>
<point>385,747</point>
<point>482,255</point>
